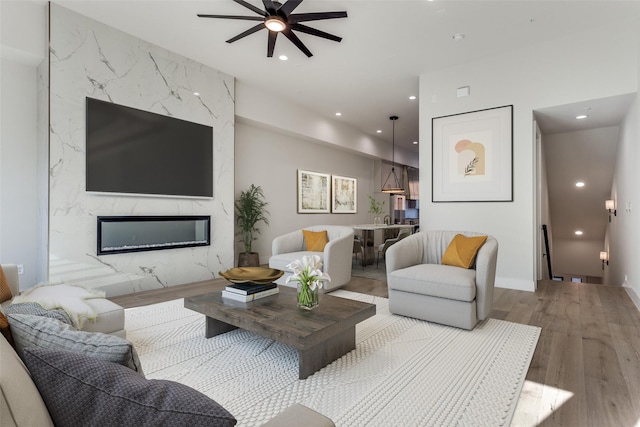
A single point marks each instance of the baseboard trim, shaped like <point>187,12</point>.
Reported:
<point>633,295</point>
<point>515,284</point>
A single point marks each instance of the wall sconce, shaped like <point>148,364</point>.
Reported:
<point>610,206</point>
<point>604,257</point>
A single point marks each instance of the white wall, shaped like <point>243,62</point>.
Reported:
<point>544,212</point>
<point>91,59</point>
<point>580,258</point>
<point>42,173</point>
<point>254,106</point>
<point>23,31</point>
<point>623,233</point>
<point>594,64</point>
<point>271,159</point>
<point>18,161</point>
<point>22,48</point>
<point>624,229</point>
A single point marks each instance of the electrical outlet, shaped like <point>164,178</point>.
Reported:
<point>20,269</point>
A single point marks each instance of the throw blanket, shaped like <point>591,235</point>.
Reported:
<point>70,298</point>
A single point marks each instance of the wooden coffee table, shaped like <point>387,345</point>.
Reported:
<point>321,335</point>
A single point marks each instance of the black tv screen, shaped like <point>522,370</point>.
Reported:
<point>135,151</point>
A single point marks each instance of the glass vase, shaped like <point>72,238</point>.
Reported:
<point>307,297</point>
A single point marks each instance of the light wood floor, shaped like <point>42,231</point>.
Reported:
<point>585,370</point>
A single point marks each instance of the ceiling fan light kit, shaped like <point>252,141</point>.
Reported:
<point>278,18</point>
<point>275,23</point>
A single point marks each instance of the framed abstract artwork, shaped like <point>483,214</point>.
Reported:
<point>344,194</point>
<point>472,156</point>
<point>313,192</point>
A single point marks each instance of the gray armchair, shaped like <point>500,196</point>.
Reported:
<point>336,257</point>
<point>421,287</point>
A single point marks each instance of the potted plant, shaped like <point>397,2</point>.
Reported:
<point>250,209</point>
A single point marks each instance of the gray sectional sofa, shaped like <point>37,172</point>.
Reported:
<point>54,379</point>
<point>110,316</point>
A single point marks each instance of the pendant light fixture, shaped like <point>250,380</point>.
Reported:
<point>388,187</point>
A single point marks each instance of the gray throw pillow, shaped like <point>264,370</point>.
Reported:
<point>84,391</point>
<point>35,309</point>
<point>35,331</point>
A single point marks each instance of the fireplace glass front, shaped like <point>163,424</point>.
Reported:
<point>121,234</point>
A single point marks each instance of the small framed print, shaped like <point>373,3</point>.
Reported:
<point>344,194</point>
<point>313,192</point>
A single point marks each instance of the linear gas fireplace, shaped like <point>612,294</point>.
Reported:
<point>121,234</point>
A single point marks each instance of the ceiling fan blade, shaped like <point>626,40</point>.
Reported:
<point>242,18</point>
<point>271,43</point>
<point>251,7</point>
<point>303,17</point>
<point>315,32</point>
<point>269,7</point>
<point>246,33</point>
<point>289,6</point>
<point>295,40</point>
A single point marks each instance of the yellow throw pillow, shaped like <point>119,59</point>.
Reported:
<point>462,250</point>
<point>315,240</point>
<point>5,290</point>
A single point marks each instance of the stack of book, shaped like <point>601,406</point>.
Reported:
<point>246,292</point>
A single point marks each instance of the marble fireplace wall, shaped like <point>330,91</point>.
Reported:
<point>90,59</point>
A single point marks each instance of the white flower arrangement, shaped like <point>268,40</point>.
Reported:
<point>308,273</point>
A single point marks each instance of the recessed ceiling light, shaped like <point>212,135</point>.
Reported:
<point>379,131</point>
<point>196,93</point>
<point>578,232</point>
<point>412,97</point>
<point>415,142</point>
<point>459,36</point>
<point>338,113</point>
<point>581,116</point>
<point>283,57</point>
<point>579,184</point>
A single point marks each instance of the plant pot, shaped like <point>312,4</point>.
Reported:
<point>251,259</point>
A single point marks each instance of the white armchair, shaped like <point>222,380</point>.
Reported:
<point>421,287</point>
<point>336,257</point>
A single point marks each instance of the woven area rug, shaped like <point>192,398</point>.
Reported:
<point>403,371</point>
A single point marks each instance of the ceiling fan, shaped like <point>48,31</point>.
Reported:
<point>278,18</point>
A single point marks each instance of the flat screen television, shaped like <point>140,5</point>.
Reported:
<point>130,151</point>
